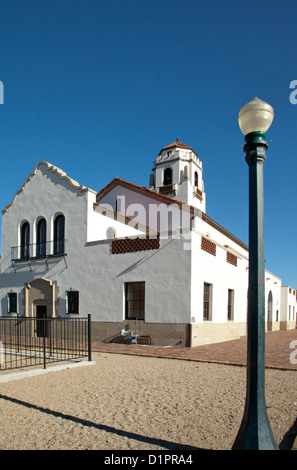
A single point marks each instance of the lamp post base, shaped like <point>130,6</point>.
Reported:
<point>255,433</point>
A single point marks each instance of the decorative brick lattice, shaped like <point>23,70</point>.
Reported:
<point>232,259</point>
<point>208,246</point>
<point>135,244</point>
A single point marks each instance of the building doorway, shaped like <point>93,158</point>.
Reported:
<point>41,293</point>
<point>41,323</point>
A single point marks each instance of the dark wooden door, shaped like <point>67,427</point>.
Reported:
<point>41,323</point>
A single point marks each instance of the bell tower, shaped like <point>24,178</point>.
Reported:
<point>177,173</point>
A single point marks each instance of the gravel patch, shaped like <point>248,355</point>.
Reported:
<point>138,403</point>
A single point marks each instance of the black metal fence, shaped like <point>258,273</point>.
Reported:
<point>27,342</point>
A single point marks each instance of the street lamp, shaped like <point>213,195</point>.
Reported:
<point>255,432</point>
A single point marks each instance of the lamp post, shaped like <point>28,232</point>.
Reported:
<point>255,432</point>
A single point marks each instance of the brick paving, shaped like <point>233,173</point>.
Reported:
<point>277,351</point>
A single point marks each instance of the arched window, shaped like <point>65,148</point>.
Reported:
<point>41,238</point>
<point>167,176</point>
<point>59,235</point>
<point>110,233</point>
<point>196,179</point>
<point>25,240</point>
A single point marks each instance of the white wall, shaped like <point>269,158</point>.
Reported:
<point>174,275</point>
<point>222,276</point>
<point>89,266</point>
<point>288,304</point>
<point>167,284</point>
<point>145,210</point>
<point>46,193</point>
<point>100,220</point>
<point>273,285</point>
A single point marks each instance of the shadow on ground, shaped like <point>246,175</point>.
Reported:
<point>110,429</point>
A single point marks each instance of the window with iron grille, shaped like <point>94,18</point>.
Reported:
<point>72,301</point>
<point>135,300</point>
<point>207,302</point>
<point>12,302</point>
<point>230,304</point>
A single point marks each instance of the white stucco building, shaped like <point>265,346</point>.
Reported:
<point>288,305</point>
<point>149,260</point>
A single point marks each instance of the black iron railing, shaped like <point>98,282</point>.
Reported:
<point>40,250</point>
<point>27,342</point>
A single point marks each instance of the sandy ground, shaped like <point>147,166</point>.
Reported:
<point>133,403</point>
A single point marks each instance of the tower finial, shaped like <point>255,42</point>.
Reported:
<point>177,139</point>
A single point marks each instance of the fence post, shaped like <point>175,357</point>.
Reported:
<point>50,337</point>
<point>18,333</point>
<point>89,338</point>
<point>44,355</point>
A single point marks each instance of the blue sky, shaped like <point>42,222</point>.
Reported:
<point>98,87</point>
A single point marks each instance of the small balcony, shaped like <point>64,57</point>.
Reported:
<point>168,189</point>
<point>198,193</point>
<point>38,251</point>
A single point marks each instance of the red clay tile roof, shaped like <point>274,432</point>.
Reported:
<point>179,144</point>
<point>169,200</point>
<point>134,187</point>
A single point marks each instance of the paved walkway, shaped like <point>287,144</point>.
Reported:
<point>277,351</point>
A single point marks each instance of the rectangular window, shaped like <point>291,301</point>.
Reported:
<point>12,302</point>
<point>230,304</point>
<point>135,300</point>
<point>207,302</point>
<point>72,301</point>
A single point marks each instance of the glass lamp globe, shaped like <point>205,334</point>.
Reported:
<point>257,115</point>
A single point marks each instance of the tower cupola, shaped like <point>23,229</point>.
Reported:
<point>177,173</point>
